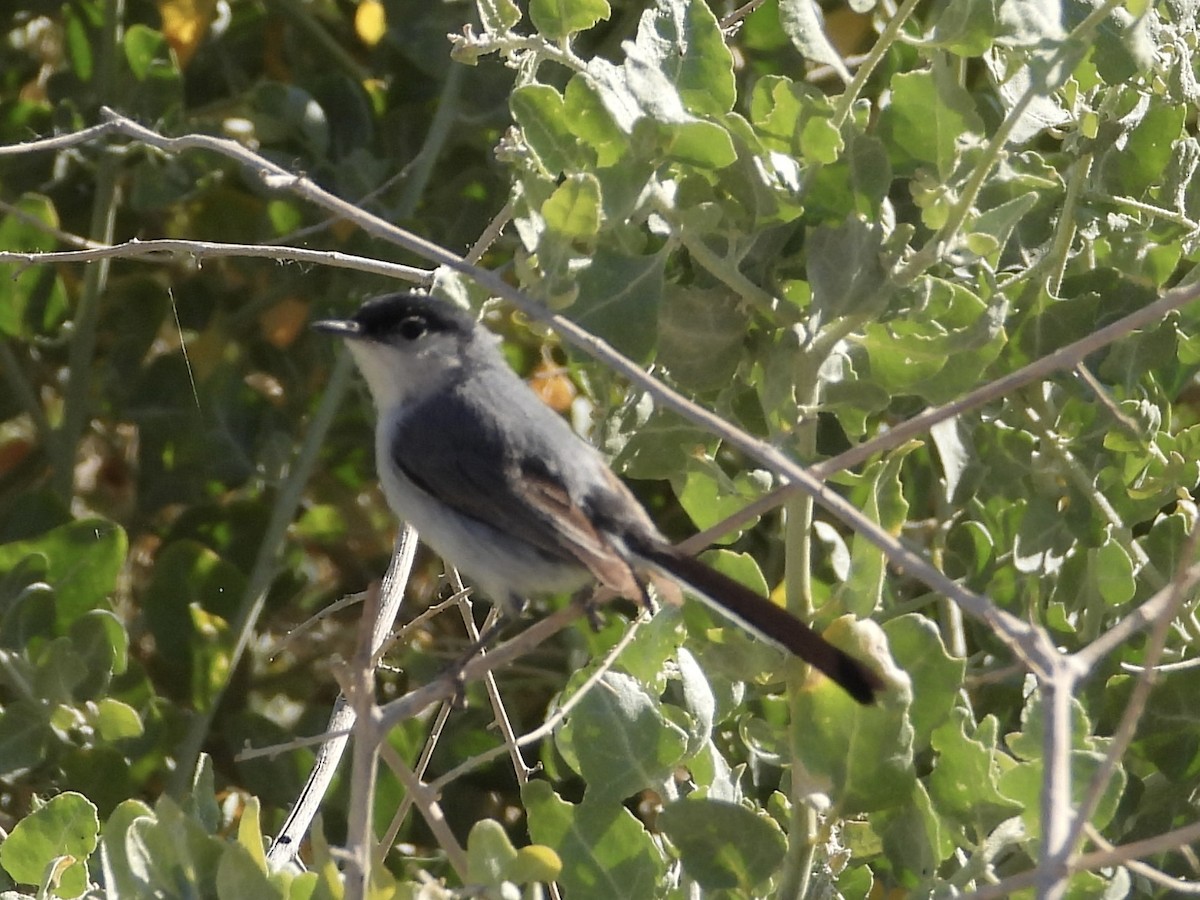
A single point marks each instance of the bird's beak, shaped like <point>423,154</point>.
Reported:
<point>346,328</point>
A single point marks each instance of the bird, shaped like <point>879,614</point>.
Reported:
<point>502,488</point>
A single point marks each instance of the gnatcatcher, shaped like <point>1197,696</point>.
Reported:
<point>502,488</point>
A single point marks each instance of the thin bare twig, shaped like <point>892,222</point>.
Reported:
<point>359,690</point>
<point>1185,579</point>
<point>168,250</point>
<point>546,728</point>
<point>1091,862</point>
<point>287,843</point>
<point>1177,885</point>
<point>427,803</point>
<point>448,685</point>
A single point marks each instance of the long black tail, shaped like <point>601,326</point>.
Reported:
<point>765,620</point>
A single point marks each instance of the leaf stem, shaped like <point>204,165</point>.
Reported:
<point>82,348</point>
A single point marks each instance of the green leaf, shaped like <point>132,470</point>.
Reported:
<point>683,41</point>
<point>702,144</point>
<point>741,567</point>
<point>710,496</point>
<point>532,865</point>
<point>619,297</point>
<point>723,846</point>
<point>702,334</point>
<point>119,875</point>
<point>143,47</point>
<point>1029,742</point>
<point>937,678</point>
<point>489,853</point>
<point>885,505</point>
<point>997,225</point>
<point>1110,569</point>
<point>286,112</point>
<point>618,739</point>
<point>914,836</point>
<point>172,852</point>
<point>102,644</point>
<point>78,44</point>
<point>935,352</point>
<point>188,579</point>
<point>59,670</point>
<point>844,269</point>
<point>211,655</point>
<point>1123,48</point>
<point>605,851</point>
<point>928,117</point>
<point>585,114</point>
<point>115,721</point>
<point>67,825</point>
<point>820,141</point>
<point>1028,23</point>
<point>201,801</point>
<point>573,210</point>
<point>24,735</point>
<point>83,561</point>
<point>1025,784</point>
<point>540,111</point>
<point>239,877</point>
<point>1092,299</point>
<point>801,21</point>
<point>964,784</point>
<point>32,299</point>
<point>660,446</point>
<point>558,19</point>
<point>1140,161</point>
<point>864,754</point>
<point>646,77</point>
<point>498,15</point>
<point>965,27</point>
<point>28,609</point>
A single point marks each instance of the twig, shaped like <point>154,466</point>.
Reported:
<point>401,812</point>
<point>1098,859</point>
<point>490,233</point>
<point>287,842</point>
<point>740,13</point>
<point>359,689</point>
<point>546,728</point>
<point>312,621</point>
<point>1058,691</point>
<point>77,398</point>
<point>431,811</point>
<point>1177,885</point>
<point>1164,611</point>
<point>520,769</point>
<point>448,684</point>
<point>168,250</point>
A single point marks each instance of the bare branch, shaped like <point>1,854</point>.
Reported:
<point>169,250</point>
<point>287,843</point>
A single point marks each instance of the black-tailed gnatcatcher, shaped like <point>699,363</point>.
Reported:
<point>502,488</point>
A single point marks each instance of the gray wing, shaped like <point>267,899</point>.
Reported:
<point>461,447</point>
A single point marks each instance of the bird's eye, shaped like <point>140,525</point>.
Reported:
<point>412,327</point>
